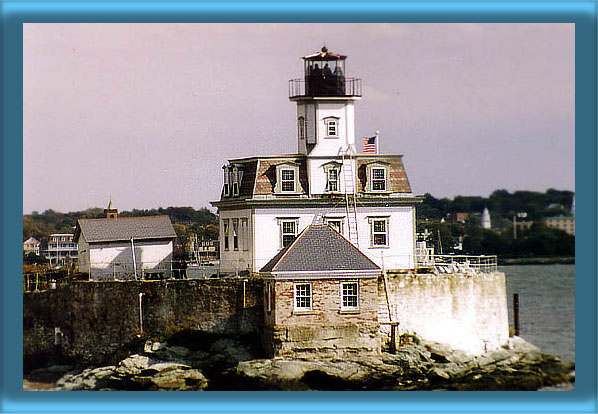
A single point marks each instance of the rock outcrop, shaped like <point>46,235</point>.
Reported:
<point>228,364</point>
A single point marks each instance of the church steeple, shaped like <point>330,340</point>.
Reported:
<point>325,99</point>
<point>111,212</point>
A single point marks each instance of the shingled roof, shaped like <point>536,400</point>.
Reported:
<point>123,228</point>
<point>319,248</point>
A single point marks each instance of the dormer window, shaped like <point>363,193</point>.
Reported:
<point>331,127</point>
<point>227,182</point>
<point>377,177</point>
<point>287,178</point>
<point>237,175</point>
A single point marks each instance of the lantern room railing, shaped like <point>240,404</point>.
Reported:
<point>336,87</point>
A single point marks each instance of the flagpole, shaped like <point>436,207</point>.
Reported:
<point>377,142</point>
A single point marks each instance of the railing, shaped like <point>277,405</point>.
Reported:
<point>458,263</point>
<point>333,87</point>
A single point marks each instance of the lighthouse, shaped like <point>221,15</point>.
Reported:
<point>267,201</point>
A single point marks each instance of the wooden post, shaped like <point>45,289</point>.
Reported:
<point>516,312</point>
<point>393,338</point>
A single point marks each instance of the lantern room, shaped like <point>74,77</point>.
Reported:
<point>324,75</point>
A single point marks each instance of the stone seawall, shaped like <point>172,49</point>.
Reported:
<point>465,311</point>
<point>95,320</point>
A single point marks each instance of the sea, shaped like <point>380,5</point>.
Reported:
<point>546,308</point>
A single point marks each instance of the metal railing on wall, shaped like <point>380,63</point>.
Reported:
<point>458,263</point>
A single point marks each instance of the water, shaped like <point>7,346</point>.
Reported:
<point>546,308</point>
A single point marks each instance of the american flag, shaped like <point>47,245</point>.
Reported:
<point>369,144</point>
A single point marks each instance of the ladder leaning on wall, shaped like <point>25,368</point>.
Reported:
<point>350,197</point>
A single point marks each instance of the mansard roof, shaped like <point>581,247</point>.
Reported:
<point>259,173</point>
<point>319,248</point>
<point>124,228</point>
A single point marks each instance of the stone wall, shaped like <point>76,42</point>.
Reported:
<point>467,312</point>
<point>98,319</point>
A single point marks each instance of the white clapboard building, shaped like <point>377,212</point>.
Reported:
<point>333,179</point>
<point>125,247</point>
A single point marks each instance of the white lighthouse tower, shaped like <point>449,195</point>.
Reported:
<point>267,201</point>
<point>486,219</point>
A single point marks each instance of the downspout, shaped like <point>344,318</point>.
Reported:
<point>133,253</point>
<point>141,312</point>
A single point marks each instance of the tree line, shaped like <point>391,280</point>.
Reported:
<point>435,219</point>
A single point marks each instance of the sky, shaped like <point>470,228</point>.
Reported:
<point>147,114</point>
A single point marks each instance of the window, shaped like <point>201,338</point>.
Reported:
<point>226,189</point>
<point>245,234</point>
<point>331,127</point>
<point>269,297</point>
<point>301,127</point>
<point>336,224</point>
<point>225,233</point>
<point>236,181</point>
<point>287,180</point>
<point>379,232</point>
<point>378,179</point>
<point>302,296</point>
<point>349,295</point>
<point>236,234</point>
<point>332,182</point>
<point>288,232</point>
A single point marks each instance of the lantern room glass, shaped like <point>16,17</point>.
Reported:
<point>325,77</point>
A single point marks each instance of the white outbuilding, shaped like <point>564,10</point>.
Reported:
<point>126,248</point>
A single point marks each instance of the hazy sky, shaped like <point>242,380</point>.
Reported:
<point>148,113</point>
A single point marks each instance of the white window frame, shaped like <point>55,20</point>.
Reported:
<point>225,231</point>
<point>288,166</point>
<point>310,296</point>
<point>383,180</point>
<point>329,180</point>
<point>269,297</point>
<point>340,220</point>
<point>301,127</point>
<point>371,168</point>
<point>235,234</point>
<point>282,223</point>
<point>332,126</point>
<point>245,233</point>
<point>373,233</point>
<point>356,295</point>
<point>284,181</point>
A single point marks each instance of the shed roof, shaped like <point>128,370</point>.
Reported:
<point>125,228</point>
<point>319,248</point>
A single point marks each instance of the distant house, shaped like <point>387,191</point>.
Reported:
<point>565,223</point>
<point>125,247</point>
<point>60,249</point>
<point>321,294</point>
<point>31,245</point>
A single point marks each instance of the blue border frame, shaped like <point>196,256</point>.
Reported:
<point>580,12</point>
